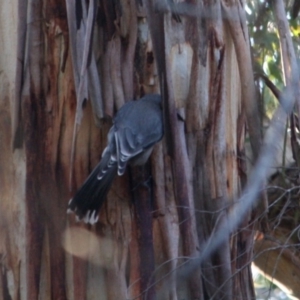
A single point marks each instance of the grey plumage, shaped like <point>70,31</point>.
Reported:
<point>138,125</point>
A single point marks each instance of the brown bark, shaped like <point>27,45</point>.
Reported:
<point>137,247</point>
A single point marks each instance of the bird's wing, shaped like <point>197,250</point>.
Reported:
<point>128,144</point>
<point>109,153</point>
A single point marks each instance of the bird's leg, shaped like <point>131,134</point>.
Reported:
<point>141,177</point>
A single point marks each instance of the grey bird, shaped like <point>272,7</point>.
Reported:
<point>137,126</point>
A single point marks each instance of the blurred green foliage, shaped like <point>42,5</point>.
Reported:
<point>265,45</point>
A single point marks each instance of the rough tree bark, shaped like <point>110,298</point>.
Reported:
<point>66,68</point>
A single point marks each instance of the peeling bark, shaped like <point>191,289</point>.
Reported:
<point>116,51</point>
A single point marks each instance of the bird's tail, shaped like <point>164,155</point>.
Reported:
<point>88,200</point>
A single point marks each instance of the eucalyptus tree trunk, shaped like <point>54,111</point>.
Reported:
<point>67,67</point>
